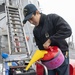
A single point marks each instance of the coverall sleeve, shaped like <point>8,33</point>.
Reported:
<point>37,41</point>
<point>62,28</point>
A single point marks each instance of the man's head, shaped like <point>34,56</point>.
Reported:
<point>31,14</point>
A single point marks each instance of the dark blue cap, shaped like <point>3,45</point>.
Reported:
<point>28,11</point>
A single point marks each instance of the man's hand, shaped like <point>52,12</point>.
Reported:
<point>47,43</point>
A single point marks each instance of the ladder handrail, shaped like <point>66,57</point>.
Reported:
<point>25,36</point>
<point>8,23</point>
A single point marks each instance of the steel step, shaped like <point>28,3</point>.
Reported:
<point>10,6</point>
<point>13,13</point>
<point>19,47</point>
<point>13,10</point>
<point>16,27</point>
<point>16,23</point>
<point>20,41</point>
<point>15,20</point>
<point>20,36</point>
<point>14,16</point>
<point>17,32</point>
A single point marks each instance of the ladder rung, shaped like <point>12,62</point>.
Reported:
<point>13,10</point>
<point>16,27</point>
<point>14,16</point>
<point>20,47</point>
<point>15,20</point>
<point>17,32</point>
<point>20,41</point>
<point>16,23</point>
<point>21,36</point>
<point>13,13</point>
<point>12,7</point>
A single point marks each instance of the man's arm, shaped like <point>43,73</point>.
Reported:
<point>63,29</point>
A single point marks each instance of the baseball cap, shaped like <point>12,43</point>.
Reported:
<point>28,11</point>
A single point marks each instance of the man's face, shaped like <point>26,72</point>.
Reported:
<point>35,19</point>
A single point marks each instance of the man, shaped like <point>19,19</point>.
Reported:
<point>50,30</point>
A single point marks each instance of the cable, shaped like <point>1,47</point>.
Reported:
<point>2,18</point>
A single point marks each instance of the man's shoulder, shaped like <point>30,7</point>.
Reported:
<point>52,15</point>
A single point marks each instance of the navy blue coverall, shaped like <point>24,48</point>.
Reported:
<point>55,28</point>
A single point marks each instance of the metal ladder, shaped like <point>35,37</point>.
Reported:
<point>17,39</point>
<point>16,36</point>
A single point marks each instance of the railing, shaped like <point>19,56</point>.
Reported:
<point>45,68</point>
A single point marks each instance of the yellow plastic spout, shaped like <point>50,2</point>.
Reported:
<point>37,55</point>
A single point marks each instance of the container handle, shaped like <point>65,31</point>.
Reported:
<point>50,48</point>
